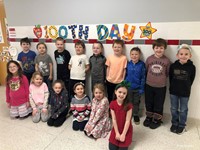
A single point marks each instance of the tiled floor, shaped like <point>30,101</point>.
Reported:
<point>26,135</point>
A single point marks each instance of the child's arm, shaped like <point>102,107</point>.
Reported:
<point>36,67</point>
<point>87,67</point>
<point>117,137</point>
<point>143,78</point>
<point>126,126</point>
<point>124,73</point>
<point>46,96</point>
<point>193,73</point>
<point>107,70</point>
<point>33,105</point>
<point>51,71</point>
<point>69,67</point>
<point>26,88</point>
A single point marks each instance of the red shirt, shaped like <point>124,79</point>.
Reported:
<point>17,91</point>
<point>120,114</point>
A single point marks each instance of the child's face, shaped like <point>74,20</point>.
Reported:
<point>96,49</point>
<point>41,49</point>
<point>25,46</point>
<point>60,45</point>
<point>183,55</point>
<point>79,49</point>
<point>121,94</point>
<point>98,94</point>
<point>57,88</point>
<point>135,56</point>
<point>79,90</point>
<point>13,68</point>
<point>37,80</point>
<point>117,48</point>
<point>159,51</point>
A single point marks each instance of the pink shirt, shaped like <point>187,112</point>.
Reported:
<point>17,92</point>
<point>38,95</point>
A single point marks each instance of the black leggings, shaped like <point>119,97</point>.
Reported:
<point>58,121</point>
<point>79,125</point>
<point>114,147</point>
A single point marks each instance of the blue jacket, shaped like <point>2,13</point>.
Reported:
<point>136,74</point>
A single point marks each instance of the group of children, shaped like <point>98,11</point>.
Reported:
<point>124,80</point>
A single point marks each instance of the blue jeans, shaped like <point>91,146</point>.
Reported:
<point>179,113</point>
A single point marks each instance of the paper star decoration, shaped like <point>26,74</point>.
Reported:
<point>147,31</point>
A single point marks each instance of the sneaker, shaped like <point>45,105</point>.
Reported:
<point>136,120</point>
<point>180,130</point>
<point>173,128</point>
<point>155,124</point>
<point>147,121</point>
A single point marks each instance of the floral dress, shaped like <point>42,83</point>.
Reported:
<point>99,119</point>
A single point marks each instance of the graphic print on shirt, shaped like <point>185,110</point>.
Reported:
<point>180,74</point>
<point>157,68</point>
<point>27,63</point>
<point>43,67</point>
<point>14,85</point>
<point>80,62</point>
<point>60,59</point>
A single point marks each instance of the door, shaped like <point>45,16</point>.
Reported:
<point>4,43</point>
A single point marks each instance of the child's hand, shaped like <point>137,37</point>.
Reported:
<point>89,128</point>
<point>8,105</point>
<point>50,77</point>
<point>117,136</point>
<point>34,112</point>
<point>122,138</point>
<point>27,104</point>
<point>44,110</point>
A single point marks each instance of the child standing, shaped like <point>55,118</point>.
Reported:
<point>59,104</point>
<point>44,64</point>
<point>80,106</point>
<point>38,96</point>
<point>26,58</point>
<point>135,74</point>
<point>157,66</point>
<point>62,57</point>
<point>17,94</point>
<point>181,75</point>
<point>78,66</point>
<point>99,123</point>
<point>121,112</point>
<point>116,68</point>
<point>97,64</point>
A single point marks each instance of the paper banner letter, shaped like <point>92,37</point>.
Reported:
<point>81,32</point>
<point>101,36</point>
<point>128,35</point>
<point>114,32</point>
<point>147,31</point>
<point>37,30</point>
<point>46,32</point>
<point>53,32</point>
<point>60,33</point>
<point>72,28</point>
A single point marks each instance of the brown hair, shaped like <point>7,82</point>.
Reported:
<point>78,83</point>
<point>79,42</point>
<point>41,43</point>
<point>121,42</point>
<point>59,81</point>
<point>159,42</point>
<point>137,49</point>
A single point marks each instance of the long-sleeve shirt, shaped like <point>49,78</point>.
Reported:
<point>17,91</point>
<point>38,95</point>
<point>59,103</point>
<point>81,108</point>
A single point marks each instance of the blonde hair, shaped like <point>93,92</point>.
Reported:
<point>35,74</point>
<point>99,86</point>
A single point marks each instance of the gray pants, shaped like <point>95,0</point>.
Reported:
<point>134,98</point>
<point>40,115</point>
